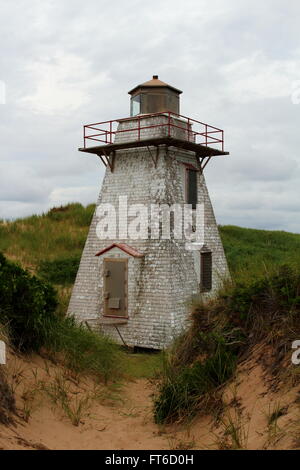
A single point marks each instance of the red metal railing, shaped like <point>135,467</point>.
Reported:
<point>194,131</point>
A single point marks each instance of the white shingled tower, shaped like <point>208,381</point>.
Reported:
<point>136,277</point>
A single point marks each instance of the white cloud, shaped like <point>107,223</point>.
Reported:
<point>237,63</point>
<point>259,77</point>
<point>84,194</point>
<point>19,184</point>
<point>62,84</point>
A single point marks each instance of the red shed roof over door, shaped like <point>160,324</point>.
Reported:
<point>124,247</point>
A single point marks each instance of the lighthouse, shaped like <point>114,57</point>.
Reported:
<point>153,244</point>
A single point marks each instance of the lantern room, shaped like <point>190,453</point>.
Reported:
<point>154,96</point>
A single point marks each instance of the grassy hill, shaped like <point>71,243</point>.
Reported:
<point>58,234</point>
<point>51,244</point>
<point>253,253</point>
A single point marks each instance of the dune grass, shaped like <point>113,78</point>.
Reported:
<point>58,234</point>
<point>85,351</point>
<point>223,331</point>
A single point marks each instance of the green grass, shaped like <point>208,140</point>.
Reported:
<point>183,388</point>
<point>144,365</point>
<point>85,351</point>
<point>253,253</point>
<point>58,234</point>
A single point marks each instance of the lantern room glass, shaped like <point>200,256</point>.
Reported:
<point>135,105</point>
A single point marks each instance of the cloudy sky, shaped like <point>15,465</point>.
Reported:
<point>64,63</point>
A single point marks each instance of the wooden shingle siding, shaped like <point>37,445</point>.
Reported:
<point>162,282</point>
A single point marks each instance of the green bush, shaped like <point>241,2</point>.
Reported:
<point>27,305</point>
<point>59,271</point>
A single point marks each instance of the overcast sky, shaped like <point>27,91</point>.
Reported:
<point>69,62</point>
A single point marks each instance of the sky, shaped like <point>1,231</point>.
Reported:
<point>65,63</point>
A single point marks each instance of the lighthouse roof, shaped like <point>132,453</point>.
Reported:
<point>154,82</point>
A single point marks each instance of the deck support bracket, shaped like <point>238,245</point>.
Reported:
<point>109,159</point>
<point>202,162</point>
<point>102,159</point>
<point>199,161</point>
<point>154,158</point>
<point>206,163</point>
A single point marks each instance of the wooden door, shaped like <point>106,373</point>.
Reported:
<point>115,287</point>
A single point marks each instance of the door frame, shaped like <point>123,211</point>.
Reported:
<point>116,260</point>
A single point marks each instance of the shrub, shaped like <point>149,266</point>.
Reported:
<point>266,304</point>
<point>27,305</point>
<point>59,271</point>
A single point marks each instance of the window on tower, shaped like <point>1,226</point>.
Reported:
<point>206,271</point>
<point>135,105</point>
<point>191,187</point>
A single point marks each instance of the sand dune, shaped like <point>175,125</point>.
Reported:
<point>258,413</point>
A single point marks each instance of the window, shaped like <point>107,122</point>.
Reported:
<point>191,187</point>
<point>135,105</point>
<point>206,271</point>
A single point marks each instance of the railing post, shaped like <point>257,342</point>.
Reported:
<point>169,124</point>
<point>110,131</point>
<point>188,124</point>
<point>206,135</point>
<point>84,137</point>
<point>222,141</point>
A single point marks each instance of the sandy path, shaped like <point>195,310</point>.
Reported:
<point>124,425</point>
